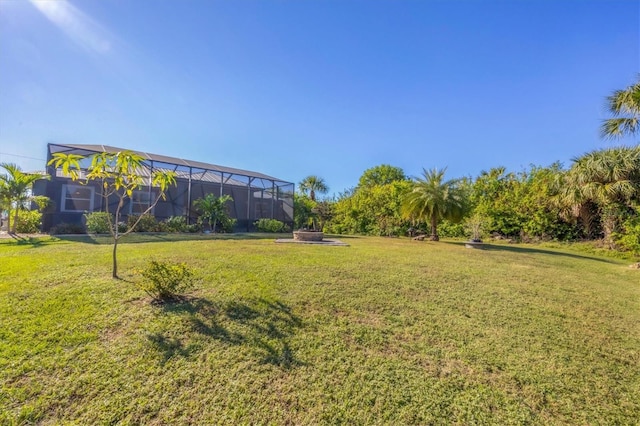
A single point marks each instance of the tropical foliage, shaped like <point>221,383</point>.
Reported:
<point>15,192</point>
<point>624,105</point>
<point>212,209</point>
<point>432,198</point>
<point>608,180</point>
<point>312,185</point>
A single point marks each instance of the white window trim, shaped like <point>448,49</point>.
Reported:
<point>142,191</point>
<point>69,188</point>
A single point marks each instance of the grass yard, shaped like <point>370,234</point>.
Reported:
<point>386,331</point>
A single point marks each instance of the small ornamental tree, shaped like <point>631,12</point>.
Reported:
<point>212,209</point>
<point>119,174</point>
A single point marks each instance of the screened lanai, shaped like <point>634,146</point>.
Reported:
<point>255,195</point>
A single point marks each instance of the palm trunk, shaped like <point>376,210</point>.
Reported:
<point>608,228</point>
<point>434,230</point>
<point>14,225</point>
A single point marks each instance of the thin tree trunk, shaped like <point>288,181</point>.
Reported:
<point>115,259</point>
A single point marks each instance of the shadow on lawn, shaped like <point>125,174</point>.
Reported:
<point>163,237</point>
<point>261,326</point>
<point>28,240</point>
<point>535,250</point>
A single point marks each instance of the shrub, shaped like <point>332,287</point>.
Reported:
<point>29,221</point>
<point>270,225</point>
<point>165,281</point>
<point>448,229</point>
<point>176,224</point>
<point>629,240</point>
<point>148,223</point>
<point>227,225</point>
<point>98,222</point>
<point>67,228</point>
<point>193,228</point>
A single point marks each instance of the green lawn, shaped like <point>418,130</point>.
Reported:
<point>385,331</point>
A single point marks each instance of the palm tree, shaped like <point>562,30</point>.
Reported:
<point>15,190</point>
<point>608,179</point>
<point>625,107</point>
<point>212,208</point>
<point>432,199</point>
<point>312,184</point>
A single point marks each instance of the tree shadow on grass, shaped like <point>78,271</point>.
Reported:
<point>264,328</point>
<point>163,237</point>
<point>534,250</point>
<point>32,242</point>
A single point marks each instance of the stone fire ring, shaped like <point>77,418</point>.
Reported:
<point>308,235</point>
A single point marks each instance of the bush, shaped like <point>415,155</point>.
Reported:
<point>448,229</point>
<point>148,223</point>
<point>176,224</point>
<point>629,239</point>
<point>67,228</point>
<point>227,225</point>
<point>29,221</point>
<point>193,228</point>
<point>98,222</point>
<point>165,281</point>
<point>270,225</point>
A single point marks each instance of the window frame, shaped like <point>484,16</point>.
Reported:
<point>150,199</point>
<point>69,189</point>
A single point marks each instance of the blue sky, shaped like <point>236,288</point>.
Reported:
<point>293,88</point>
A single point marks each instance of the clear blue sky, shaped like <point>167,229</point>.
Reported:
<point>293,88</point>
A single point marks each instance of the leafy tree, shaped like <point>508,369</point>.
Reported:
<point>608,178</point>
<point>302,210</point>
<point>118,175</point>
<point>432,199</point>
<point>372,210</point>
<point>624,105</point>
<point>381,175</point>
<point>15,191</point>
<point>493,196</point>
<point>312,185</point>
<point>212,209</point>
<point>323,212</point>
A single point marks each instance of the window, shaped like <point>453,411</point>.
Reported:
<point>140,201</point>
<point>77,198</point>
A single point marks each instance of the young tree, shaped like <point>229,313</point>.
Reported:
<point>118,174</point>
<point>212,209</point>
<point>432,199</point>
<point>312,185</point>
<point>15,191</point>
<point>624,105</point>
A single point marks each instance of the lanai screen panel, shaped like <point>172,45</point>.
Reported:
<point>255,195</point>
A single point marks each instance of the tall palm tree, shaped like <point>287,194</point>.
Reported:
<point>608,178</point>
<point>15,190</point>
<point>313,184</point>
<point>624,105</point>
<point>432,199</point>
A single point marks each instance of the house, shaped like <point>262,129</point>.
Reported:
<point>255,195</point>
